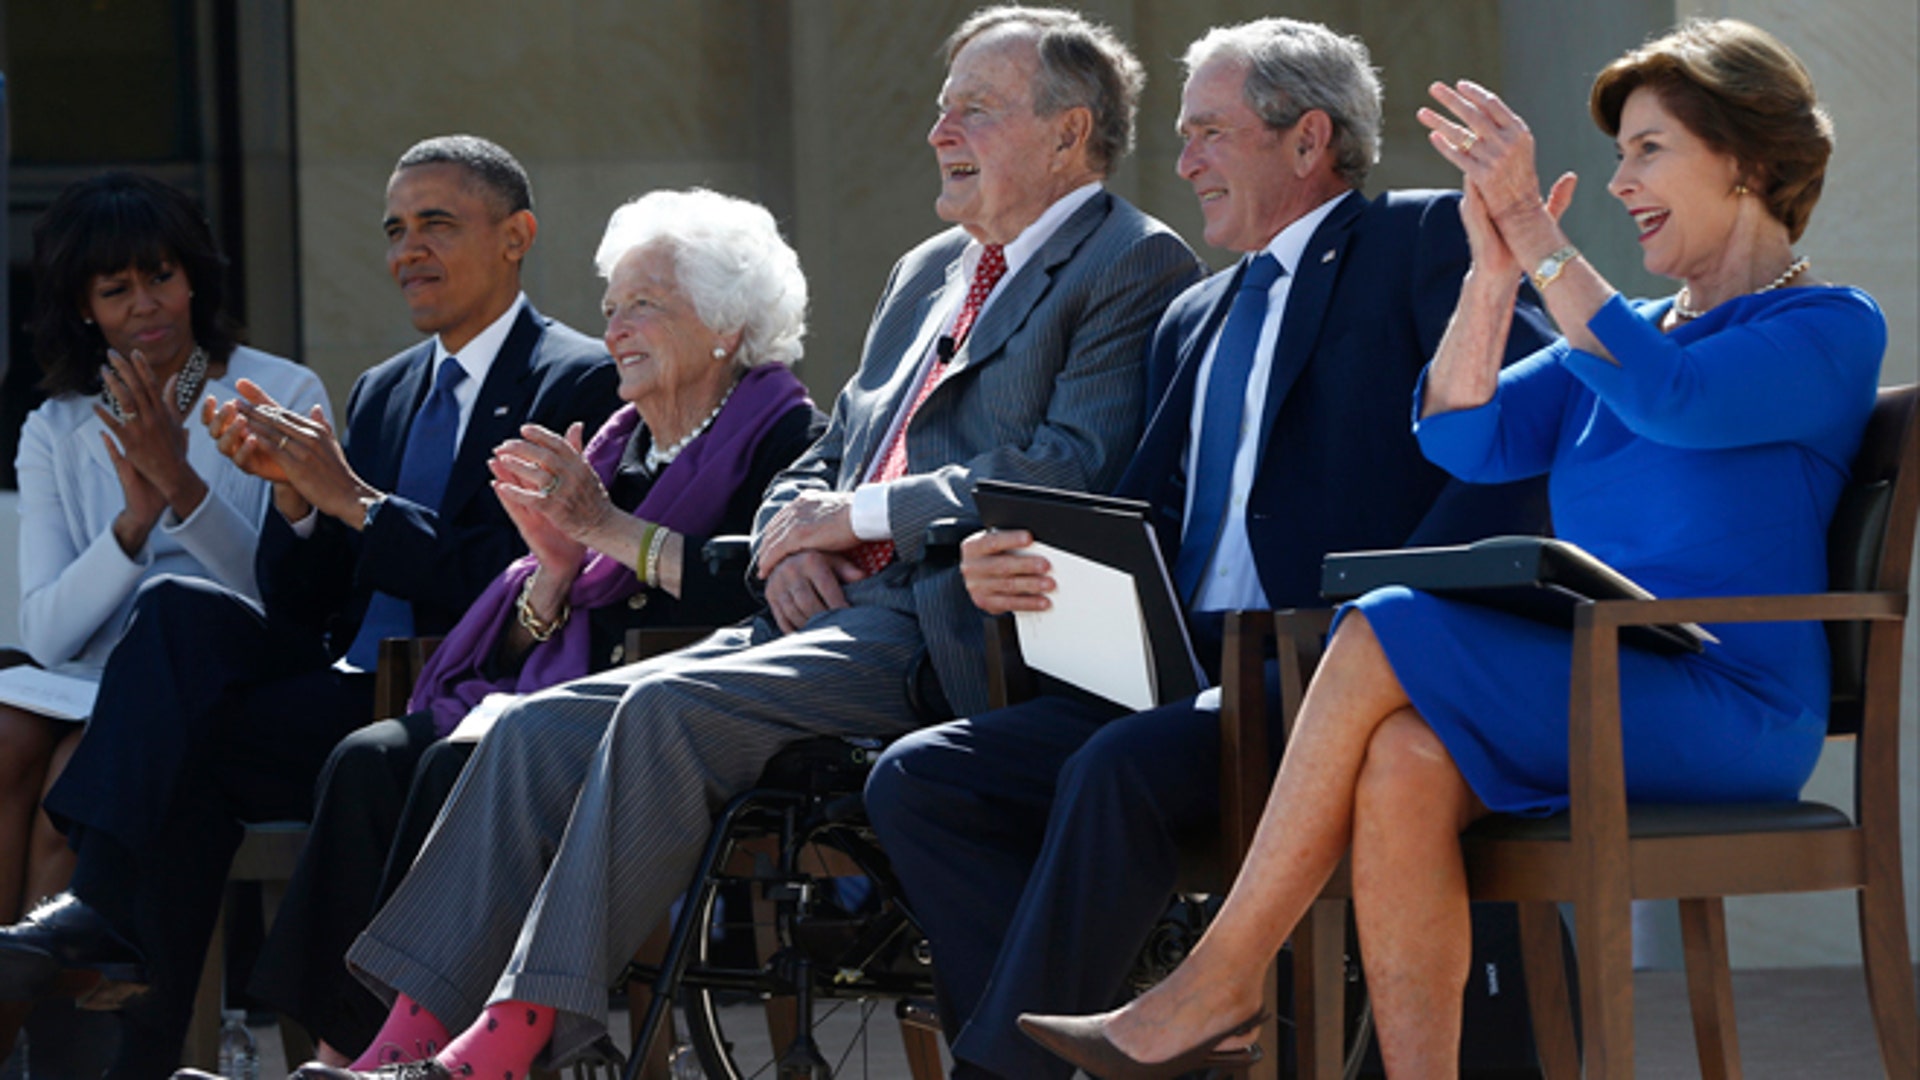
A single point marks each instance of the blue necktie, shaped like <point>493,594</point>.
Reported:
<point>424,466</point>
<point>1221,421</point>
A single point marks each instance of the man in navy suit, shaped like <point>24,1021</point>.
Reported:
<point>212,712</point>
<point>1038,844</point>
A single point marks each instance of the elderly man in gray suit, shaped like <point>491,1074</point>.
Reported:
<point>1008,347</point>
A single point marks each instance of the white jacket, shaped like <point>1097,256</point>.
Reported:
<point>76,586</point>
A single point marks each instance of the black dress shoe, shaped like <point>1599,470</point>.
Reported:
<point>402,1070</point>
<point>62,933</point>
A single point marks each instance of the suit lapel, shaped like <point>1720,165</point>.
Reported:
<point>1023,292</point>
<point>1313,282</point>
<point>497,412</point>
<point>1157,470</point>
<point>901,382</point>
<point>409,391</point>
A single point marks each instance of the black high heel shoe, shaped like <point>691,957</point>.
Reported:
<point>1082,1041</point>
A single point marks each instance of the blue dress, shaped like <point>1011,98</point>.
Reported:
<point>1707,463</point>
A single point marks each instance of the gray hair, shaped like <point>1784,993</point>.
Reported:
<point>1294,67</point>
<point>1081,63</point>
<point>729,260</point>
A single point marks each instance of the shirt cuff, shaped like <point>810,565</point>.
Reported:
<point>869,516</point>
<point>304,527</point>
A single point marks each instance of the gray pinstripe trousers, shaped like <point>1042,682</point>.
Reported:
<point>584,811</point>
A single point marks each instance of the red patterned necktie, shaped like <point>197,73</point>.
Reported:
<point>874,555</point>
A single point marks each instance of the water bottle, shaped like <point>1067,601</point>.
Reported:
<point>239,1057</point>
<point>684,1064</point>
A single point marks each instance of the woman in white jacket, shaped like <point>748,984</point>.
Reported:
<point>119,483</point>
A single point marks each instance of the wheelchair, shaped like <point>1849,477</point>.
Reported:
<point>832,972</point>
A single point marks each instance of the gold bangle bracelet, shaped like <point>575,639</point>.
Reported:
<point>541,629</point>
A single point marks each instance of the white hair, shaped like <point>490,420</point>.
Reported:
<point>729,260</point>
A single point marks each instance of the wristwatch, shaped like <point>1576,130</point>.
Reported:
<point>1553,266</point>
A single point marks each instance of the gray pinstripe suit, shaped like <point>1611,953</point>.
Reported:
<point>583,812</point>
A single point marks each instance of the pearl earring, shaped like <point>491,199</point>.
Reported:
<point>719,352</point>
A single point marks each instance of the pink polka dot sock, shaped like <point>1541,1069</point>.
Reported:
<point>501,1044</point>
<point>411,1033</point>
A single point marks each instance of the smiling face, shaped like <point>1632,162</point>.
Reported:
<point>663,351</point>
<point>1001,166</point>
<point>1240,168</point>
<point>152,312</point>
<point>456,260</point>
<point>1678,189</point>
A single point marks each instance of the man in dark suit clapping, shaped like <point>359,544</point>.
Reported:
<point>1038,844</point>
<point>212,712</point>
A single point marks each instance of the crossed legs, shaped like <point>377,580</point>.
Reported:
<point>1363,770</point>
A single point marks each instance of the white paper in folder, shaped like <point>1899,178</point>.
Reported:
<point>1094,636</point>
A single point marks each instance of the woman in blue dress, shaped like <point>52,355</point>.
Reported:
<point>1697,442</point>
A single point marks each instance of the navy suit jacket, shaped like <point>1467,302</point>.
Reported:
<point>1339,469</point>
<point>438,558</point>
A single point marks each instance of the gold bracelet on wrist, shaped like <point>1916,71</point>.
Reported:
<point>541,629</point>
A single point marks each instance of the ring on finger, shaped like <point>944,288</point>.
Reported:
<point>1466,144</point>
<point>283,441</point>
<point>552,485</point>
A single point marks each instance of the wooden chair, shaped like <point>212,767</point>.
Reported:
<point>267,855</point>
<point>1603,854</point>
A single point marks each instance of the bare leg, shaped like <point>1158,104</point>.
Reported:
<point>50,860</point>
<point>1303,832</point>
<point>26,744</point>
<point>1410,894</point>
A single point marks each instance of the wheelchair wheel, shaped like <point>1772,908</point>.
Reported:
<point>845,963</point>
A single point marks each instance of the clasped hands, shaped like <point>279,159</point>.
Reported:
<point>147,444</point>
<point>806,557</point>
<point>1493,148</point>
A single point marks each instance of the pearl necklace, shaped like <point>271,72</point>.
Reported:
<point>658,459</point>
<point>1686,312</point>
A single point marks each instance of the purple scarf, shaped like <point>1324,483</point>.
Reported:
<point>690,497</point>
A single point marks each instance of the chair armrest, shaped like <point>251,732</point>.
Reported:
<point>1797,607</point>
<point>1009,680</point>
<point>647,642</point>
<point>398,668</point>
<point>1245,776</point>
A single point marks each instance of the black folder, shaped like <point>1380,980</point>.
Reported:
<point>1533,576</point>
<point>1117,533</point>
